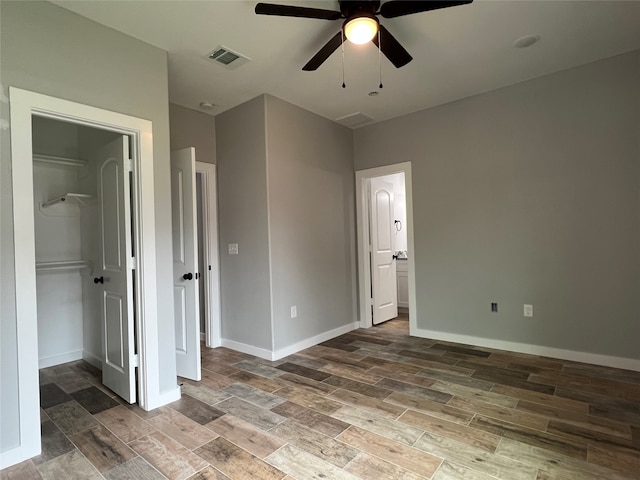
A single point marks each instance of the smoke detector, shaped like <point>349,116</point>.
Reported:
<point>227,58</point>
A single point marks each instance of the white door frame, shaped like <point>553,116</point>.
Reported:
<point>24,105</point>
<point>213,333</point>
<point>362,220</point>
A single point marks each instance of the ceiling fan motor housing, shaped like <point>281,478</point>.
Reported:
<point>353,8</point>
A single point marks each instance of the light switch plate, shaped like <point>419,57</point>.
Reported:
<point>233,249</point>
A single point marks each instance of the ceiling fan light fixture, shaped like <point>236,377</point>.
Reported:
<point>361,30</point>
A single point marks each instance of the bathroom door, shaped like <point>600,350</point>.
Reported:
<point>383,265</point>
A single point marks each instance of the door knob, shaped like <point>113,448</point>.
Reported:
<point>98,280</point>
<point>187,276</point>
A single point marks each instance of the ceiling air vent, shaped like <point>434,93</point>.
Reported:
<point>354,120</point>
<point>227,57</point>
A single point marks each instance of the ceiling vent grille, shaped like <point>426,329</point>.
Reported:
<point>354,120</point>
<point>227,58</point>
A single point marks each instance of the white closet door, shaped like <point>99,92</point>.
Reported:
<point>185,263</point>
<point>114,270</point>
<point>383,265</point>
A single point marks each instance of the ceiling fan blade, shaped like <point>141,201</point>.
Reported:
<point>392,48</point>
<point>398,8</point>
<point>324,53</point>
<point>291,11</point>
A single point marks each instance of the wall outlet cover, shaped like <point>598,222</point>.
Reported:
<point>528,310</point>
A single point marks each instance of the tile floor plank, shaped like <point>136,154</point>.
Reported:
<point>412,459</point>
<point>166,455</point>
<point>125,424</point>
<point>245,435</point>
<point>315,443</point>
<point>555,464</point>
<point>302,465</point>
<point>367,466</point>
<point>235,462</point>
<point>135,469</point>
<point>71,418</point>
<point>311,418</point>
<point>469,435</point>
<point>70,465</point>
<point>102,448</point>
<point>396,431</point>
<point>476,459</point>
<point>181,428</point>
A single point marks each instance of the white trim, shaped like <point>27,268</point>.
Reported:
<point>245,348</point>
<point>213,331</point>
<point>291,349</point>
<point>23,105</point>
<point>15,455</point>
<point>268,203</point>
<point>44,362</point>
<point>362,220</point>
<point>560,353</point>
<point>315,340</point>
<point>25,277</point>
<point>164,398</point>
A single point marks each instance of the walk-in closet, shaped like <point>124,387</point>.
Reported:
<point>67,240</point>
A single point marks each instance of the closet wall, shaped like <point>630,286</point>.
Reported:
<point>66,233</point>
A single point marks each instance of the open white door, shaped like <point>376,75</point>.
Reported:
<point>383,265</point>
<point>185,263</point>
<point>114,270</point>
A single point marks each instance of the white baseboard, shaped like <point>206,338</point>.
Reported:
<point>246,348</point>
<point>560,353</point>
<point>16,455</point>
<point>52,360</point>
<point>164,398</point>
<point>291,349</point>
<point>310,342</point>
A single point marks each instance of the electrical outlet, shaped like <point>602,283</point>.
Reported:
<point>494,306</point>
<point>528,310</point>
<point>233,249</point>
<point>294,311</point>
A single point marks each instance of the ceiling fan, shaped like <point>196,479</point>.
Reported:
<point>361,24</point>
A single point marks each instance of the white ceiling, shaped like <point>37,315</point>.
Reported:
<point>458,52</point>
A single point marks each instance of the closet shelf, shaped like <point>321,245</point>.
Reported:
<point>63,265</point>
<point>77,198</point>
<point>69,162</point>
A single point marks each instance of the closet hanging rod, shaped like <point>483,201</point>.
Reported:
<point>70,162</point>
<point>78,198</point>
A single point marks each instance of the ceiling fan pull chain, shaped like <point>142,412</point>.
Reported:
<point>342,44</point>
<point>380,58</point>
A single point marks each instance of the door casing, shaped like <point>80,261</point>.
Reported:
<point>362,220</point>
<point>23,105</point>
<point>211,278</point>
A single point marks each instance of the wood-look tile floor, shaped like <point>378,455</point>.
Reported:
<point>371,404</point>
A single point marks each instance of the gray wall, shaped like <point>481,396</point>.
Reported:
<point>190,128</point>
<point>528,194</point>
<point>311,205</point>
<point>49,50</point>
<point>243,219</point>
